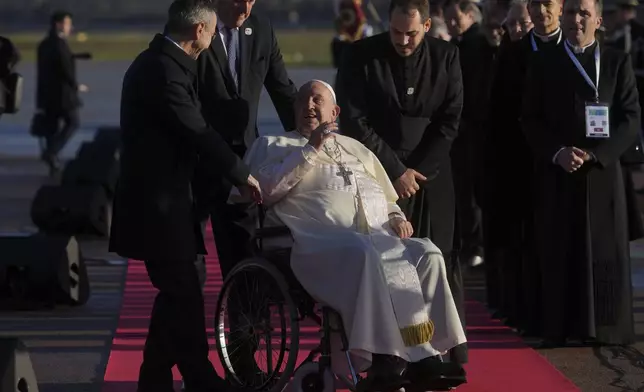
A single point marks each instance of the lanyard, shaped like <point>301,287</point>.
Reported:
<point>583,72</point>
<point>535,48</point>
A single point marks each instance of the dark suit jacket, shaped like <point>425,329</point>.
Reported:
<point>232,112</point>
<point>163,134</point>
<point>57,87</point>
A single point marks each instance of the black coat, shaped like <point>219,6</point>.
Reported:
<point>418,135</point>
<point>234,113</point>
<point>57,87</point>
<point>163,134</point>
<point>508,188</point>
<point>581,218</point>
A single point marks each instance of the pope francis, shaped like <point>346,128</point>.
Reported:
<point>353,249</point>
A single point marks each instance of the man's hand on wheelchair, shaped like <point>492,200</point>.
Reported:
<point>251,190</point>
<point>401,226</point>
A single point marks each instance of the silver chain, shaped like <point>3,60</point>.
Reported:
<point>337,153</point>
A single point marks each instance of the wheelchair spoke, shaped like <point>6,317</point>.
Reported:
<point>255,320</point>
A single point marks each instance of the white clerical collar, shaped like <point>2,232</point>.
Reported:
<point>174,42</point>
<point>577,49</point>
<point>547,37</point>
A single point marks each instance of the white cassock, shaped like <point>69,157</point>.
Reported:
<point>391,293</point>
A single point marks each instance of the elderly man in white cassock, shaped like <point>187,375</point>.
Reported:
<point>353,249</point>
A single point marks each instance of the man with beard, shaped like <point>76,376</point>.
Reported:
<point>580,113</point>
<point>402,96</point>
<point>510,267</point>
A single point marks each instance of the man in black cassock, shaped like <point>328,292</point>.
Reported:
<point>511,274</point>
<point>401,95</point>
<point>580,113</point>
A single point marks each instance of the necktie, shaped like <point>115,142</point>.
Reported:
<point>231,49</point>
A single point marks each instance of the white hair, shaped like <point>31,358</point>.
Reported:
<point>183,15</point>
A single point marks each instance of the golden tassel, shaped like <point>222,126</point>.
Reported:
<point>414,335</point>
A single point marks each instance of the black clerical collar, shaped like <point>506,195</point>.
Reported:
<point>580,49</point>
<point>548,37</point>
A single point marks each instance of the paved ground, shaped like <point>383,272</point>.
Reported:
<point>69,347</point>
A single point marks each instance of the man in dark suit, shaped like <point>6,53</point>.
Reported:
<point>244,57</point>
<point>401,94</point>
<point>154,219</point>
<point>9,59</point>
<point>57,87</point>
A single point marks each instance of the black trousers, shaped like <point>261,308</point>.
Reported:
<point>177,334</point>
<point>467,173</point>
<point>59,135</point>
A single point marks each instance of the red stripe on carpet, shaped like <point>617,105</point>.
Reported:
<point>499,360</point>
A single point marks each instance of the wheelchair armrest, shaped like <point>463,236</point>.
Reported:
<point>268,232</point>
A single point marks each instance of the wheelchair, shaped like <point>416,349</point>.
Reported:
<point>268,305</point>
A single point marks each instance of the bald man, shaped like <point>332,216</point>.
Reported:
<point>338,202</point>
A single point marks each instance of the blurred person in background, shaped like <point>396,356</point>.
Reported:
<point>518,22</point>
<point>511,274</point>
<point>57,90</point>
<point>350,25</point>
<point>624,32</point>
<point>438,28</point>
<point>463,18</point>
<point>10,85</point>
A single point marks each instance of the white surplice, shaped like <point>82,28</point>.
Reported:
<point>386,289</point>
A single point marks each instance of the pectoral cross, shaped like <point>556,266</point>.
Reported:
<point>345,173</point>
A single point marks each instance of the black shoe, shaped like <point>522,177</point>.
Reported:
<point>386,374</point>
<point>431,374</point>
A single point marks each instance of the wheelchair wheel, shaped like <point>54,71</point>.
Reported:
<point>257,327</point>
<point>308,379</point>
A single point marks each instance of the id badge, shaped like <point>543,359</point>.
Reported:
<point>597,124</point>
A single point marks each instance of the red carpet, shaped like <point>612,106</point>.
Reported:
<point>499,360</point>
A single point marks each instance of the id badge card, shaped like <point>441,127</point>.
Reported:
<point>597,124</point>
